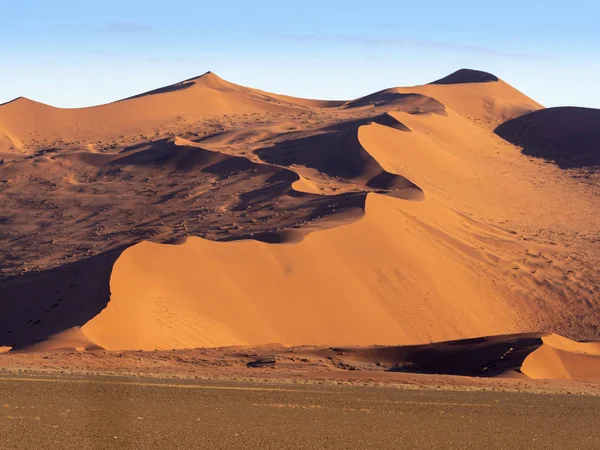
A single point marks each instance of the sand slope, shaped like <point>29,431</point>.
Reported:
<point>479,96</point>
<point>377,280</point>
<point>396,218</point>
<point>24,120</point>
<point>559,357</point>
<point>26,124</point>
<point>408,272</point>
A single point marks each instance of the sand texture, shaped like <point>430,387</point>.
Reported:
<point>207,214</point>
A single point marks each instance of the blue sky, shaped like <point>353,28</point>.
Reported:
<point>72,53</point>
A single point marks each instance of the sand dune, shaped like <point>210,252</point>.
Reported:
<point>471,170</point>
<point>26,124</point>
<point>396,218</point>
<point>337,152</point>
<point>559,357</point>
<point>377,280</point>
<point>478,96</point>
<point>397,99</point>
<point>30,122</point>
<point>71,339</point>
<point>489,356</point>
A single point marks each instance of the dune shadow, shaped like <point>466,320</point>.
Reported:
<point>399,101</point>
<point>463,76</point>
<point>11,101</point>
<point>568,136</point>
<point>172,88</point>
<point>475,357</point>
<point>37,305</point>
<point>384,119</point>
<point>338,153</point>
<point>479,357</point>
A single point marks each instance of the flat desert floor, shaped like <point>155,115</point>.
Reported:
<point>61,412</point>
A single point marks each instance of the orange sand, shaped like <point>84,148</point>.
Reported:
<point>400,217</point>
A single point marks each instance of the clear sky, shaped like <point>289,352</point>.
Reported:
<point>78,53</point>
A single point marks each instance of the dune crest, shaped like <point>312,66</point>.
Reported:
<point>559,357</point>
<point>463,76</point>
<point>338,152</point>
<point>374,281</point>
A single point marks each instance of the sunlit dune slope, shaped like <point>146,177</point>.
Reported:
<point>387,278</point>
<point>559,357</point>
<point>470,169</point>
<point>206,96</point>
<point>479,96</point>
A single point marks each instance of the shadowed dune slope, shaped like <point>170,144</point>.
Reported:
<point>490,356</point>
<point>397,99</point>
<point>338,153</point>
<point>532,355</point>
<point>569,136</point>
<point>463,76</point>
<point>38,305</point>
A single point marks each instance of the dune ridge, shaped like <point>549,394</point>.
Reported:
<point>337,152</point>
<point>246,292</point>
<point>559,357</point>
<point>201,99</point>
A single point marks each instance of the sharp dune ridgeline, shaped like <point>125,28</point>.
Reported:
<point>208,214</point>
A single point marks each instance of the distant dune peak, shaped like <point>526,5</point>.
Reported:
<point>464,76</point>
<point>208,75</point>
<point>15,100</point>
<point>207,79</point>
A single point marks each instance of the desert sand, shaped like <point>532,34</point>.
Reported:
<point>207,214</point>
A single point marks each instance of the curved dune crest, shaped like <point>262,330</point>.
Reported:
<point>372,281</point>
<point>559,357</point>
<point>339,153</point>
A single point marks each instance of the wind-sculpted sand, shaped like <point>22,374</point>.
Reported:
<point>207,214</point>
